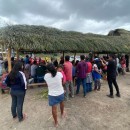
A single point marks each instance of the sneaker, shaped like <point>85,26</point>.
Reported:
<point>84,96</point>
<point>110,96</point>
<point>118,95</point>
<point>72,96</point>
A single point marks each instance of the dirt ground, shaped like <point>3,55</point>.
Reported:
<point>95,112</point>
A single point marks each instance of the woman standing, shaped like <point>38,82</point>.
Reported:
<point>56,91</point>
<point>17,82</point>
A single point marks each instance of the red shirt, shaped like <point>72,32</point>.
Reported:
<point>68,70</point>
<point>89,67</point>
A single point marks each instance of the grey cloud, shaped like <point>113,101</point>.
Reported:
<point>98,9</point>
<point>88,9</point>
<point>17,8</point>
<point>96,16</point>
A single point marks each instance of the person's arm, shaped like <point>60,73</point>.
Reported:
<point>104,63</point>
<point>7,81</point>
<point>77,68</point>
<point>23,80</point>
<point>62,78</point>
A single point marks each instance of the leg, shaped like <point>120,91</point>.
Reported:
<point>90,86</point>
<point>95,84</point>
<point>20,101</point>
<point>110,86</point>
<point>54,113</point>
<point>14,105</point>
<point>87,87</point>
<point>99,84</point>
<point>71,88</point>
<point>116,86</point>
<point>78,85</point>
<point>62,109</point>
<point>2,91</point>
<point>84,86</point>
<point>67,90</point>
<point>117,70</point>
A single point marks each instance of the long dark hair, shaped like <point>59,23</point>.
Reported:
<point>17,67</point>
<point>51,68</point>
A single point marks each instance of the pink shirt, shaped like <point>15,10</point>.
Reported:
<point>68,70</point>
<point>64,77</point>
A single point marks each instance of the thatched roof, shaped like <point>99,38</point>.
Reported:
<point>42,38</point>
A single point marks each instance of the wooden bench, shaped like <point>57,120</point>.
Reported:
<point>36,85</point>
<point>7,90</point>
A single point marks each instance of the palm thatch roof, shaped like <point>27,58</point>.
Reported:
<point>41,38</point>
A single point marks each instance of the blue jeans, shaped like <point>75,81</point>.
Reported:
<point>17,103</point>
<point>89,87</point>
<point>79,80</point>
<point>40,79</point>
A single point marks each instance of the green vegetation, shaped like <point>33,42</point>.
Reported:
<point>43,94</point>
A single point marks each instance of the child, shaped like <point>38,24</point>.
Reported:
<point>96,77</point>
<point>60,69</point>
<point>73,71</point>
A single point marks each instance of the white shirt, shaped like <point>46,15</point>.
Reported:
<point>54,84</point>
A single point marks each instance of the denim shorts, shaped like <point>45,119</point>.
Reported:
<point>54,100</point>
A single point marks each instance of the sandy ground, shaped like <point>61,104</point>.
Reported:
<point>95,112</point>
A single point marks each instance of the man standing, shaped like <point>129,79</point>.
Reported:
<point>111,76</point>
<point>81,75</point>
<point>68,74</point>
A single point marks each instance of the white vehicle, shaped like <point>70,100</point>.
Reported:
<point>76,58</point>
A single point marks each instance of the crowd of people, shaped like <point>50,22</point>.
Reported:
<point>62,79</point>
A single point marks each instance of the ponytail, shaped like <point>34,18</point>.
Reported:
<point>51,69</point>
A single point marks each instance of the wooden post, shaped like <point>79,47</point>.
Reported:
<point>9,60</point>
<point>17,54</point>
<point>63,55</point>
<point>74,56</point>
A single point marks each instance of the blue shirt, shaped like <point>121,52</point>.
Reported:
<point>19,82</point>
<point>96,75</point>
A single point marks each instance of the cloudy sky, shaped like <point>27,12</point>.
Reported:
<point>95,16</point>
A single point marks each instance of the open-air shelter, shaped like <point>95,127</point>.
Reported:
<point>46,39</point>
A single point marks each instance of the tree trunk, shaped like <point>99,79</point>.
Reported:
<point>9,60</point>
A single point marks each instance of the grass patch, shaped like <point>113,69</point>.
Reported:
<point>43,94</point>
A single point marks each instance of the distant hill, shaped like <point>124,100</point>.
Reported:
<point>119,32</point>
